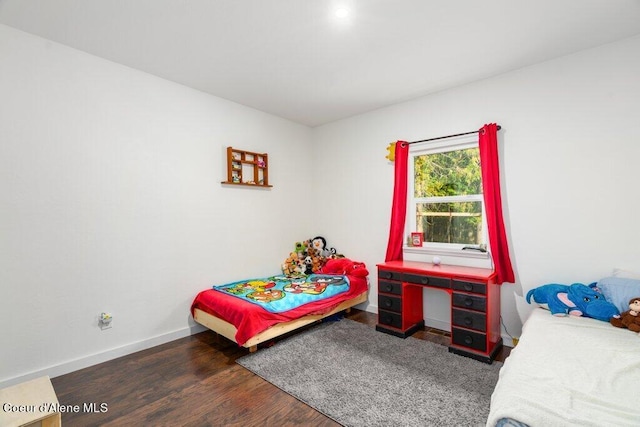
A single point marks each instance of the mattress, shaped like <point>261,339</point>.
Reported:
<point>569,371</point>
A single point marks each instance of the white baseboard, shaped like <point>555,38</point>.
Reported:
<point>94,359</point>
<point>438,324</point>
<point>507,341</point>
<point>371,308</point>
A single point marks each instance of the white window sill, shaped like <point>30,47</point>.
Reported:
<point>457,253</point>
<point>448,256</point>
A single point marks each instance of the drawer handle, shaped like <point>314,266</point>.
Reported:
<point>468,321</point>
<point>388,319</point>
<point>385,274</point>
<point>468,302</point>
<point>388,287</point>
<point>424,280</point>
<point>468,340</point>
<point>387,303</point>
<point>468,287</point>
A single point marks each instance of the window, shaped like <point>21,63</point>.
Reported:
<point>445,194</point>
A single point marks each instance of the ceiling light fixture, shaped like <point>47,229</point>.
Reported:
<point>342,12</point>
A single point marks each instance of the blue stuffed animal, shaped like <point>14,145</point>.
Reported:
<point>577,300</point>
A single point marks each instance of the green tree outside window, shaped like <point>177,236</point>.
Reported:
<point>448,175</point>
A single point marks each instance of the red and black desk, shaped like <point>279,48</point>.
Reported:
<point>474,299</point>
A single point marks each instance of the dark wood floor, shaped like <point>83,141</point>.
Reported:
<point>192,381</point>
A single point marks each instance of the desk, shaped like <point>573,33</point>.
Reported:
<point>474,300</point>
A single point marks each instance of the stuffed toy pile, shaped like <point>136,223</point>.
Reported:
<point>309,257</point>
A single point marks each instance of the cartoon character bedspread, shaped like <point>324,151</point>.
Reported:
<point>250,316</point>
<point>282,293</point>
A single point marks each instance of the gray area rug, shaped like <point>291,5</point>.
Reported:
<point>360,377</point>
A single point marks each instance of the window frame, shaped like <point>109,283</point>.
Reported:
<point>437,248</point>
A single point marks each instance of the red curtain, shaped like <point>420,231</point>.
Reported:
<point>488,145</point>
<point>399,206</point>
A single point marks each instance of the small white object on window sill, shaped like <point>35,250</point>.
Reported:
<point>448,256</point>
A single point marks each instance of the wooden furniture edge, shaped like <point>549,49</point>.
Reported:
<point>228,331</point>
<point>246,184</point>
<point>33,395</point>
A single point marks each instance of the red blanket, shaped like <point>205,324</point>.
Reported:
<point>251,319</point>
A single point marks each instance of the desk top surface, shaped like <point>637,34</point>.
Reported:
<point>438,270</point>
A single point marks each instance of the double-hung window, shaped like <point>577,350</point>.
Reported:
<point>445,194</point>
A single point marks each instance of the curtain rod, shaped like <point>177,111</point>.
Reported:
<point>449,136</point>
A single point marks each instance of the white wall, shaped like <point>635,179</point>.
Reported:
<point>570,144</point>
<point>110,194</point>
<point>110,200</point>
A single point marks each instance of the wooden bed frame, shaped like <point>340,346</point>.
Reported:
<point>228,331</point>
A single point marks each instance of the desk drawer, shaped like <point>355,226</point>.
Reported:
<point>437,282</point>
<point>471,302</point>
<point>390,319</point>
<point>469,339</point>
<point>390,275</point>
<point>470,319</point>
<point>390,303</point>
<point>390,287</point>
<point>463,285</point>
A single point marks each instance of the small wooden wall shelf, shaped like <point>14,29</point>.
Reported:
<point>247,168</point>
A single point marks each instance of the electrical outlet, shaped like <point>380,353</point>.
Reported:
<point>104,320</point>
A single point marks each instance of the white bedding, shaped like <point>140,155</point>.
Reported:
<point>570,371</point>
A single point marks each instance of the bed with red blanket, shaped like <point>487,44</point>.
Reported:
<point>250,324</point>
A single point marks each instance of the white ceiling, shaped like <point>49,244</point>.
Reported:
<point>297,60</point>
